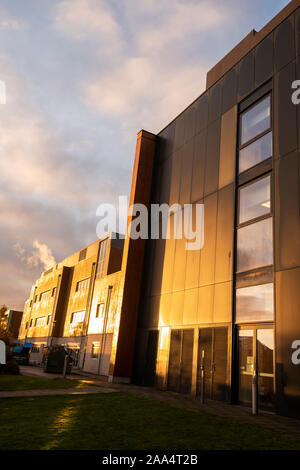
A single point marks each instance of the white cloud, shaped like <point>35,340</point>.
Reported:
<point>142,93</point>
<point>179,20</point>
<point>40,256</point>
<point>29,150</point>
<point>149,85</point>
<point>82,19</point>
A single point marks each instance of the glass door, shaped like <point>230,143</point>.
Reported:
<point>256,352</point>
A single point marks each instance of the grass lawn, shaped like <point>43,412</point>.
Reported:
<point>23,382</point>
<point>121,421</point>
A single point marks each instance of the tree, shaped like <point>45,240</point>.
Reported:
<point>3,317</point>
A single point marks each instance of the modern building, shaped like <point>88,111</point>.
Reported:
<point>181,319</point>
<point>232,307</point>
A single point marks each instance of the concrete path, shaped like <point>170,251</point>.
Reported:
<point>56,391</point>
<point>270,421</point>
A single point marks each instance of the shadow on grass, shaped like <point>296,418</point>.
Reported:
<point>120,421</point>
<point>23,382</point>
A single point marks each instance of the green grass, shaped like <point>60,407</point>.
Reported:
<point>121,421</point>
<point>22,382</point>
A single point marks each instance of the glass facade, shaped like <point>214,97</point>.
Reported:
<point>254,254</point>
<point>256,353</point>
<point>255,121</point>
<point>255,303</point>
<point>255,245</point>
<point>256,152</point>
<point>255,200</point>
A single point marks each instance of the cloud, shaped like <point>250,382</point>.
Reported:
<point>153,72</point>
<point>179,20</point>
<point>142,94</point>
<point>8,21</point>
<point>40,256</point>
<point>85,19</point>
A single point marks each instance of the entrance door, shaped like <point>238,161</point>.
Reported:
<point>212,356</point>
<point>181,361</point>
<point>256,351</point>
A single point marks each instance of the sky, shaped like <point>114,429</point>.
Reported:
<point>82,77</point>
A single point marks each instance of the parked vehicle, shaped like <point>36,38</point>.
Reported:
<point>21,353</point>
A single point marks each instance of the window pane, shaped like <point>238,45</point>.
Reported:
<point>255,303</point>
<point>255,245</point>
<point>256,120</point>
<point>255,200</point>
<point>256,152</point>
<point>246,356</point>
<point>265,348</point>
<point>246,364</point>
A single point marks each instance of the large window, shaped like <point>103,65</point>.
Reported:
<point>77,317</point>
<point>95,350</point>
<point>41,321</point>
<point>255,135</point>
<point>256,120</point>
<point>82,285</point>
<point>44,296</point>
<point>254,237</point>
<point>255,200</point>
<point>255,303</point>
<point>99,311</point>
<point>101,265</point>
<point>255,245</point>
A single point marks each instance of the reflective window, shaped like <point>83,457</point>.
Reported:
<point>265,348</point>
<point>246,354</point>
<point>256,152</point>
<point>255,245</point>
<point>95,350</point>
<point>255,200</point>
<point>77,317</point>
<point>255,303</point>
<point>256,120</point>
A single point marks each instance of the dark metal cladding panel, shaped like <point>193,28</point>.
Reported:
<point>208,252</point>
<point>264,60</point>
<point>229,90</point>
<point>297,31</point>
<point>220,387</point>
<point>165,180</point>
<point>190,123</point>
<point>174,361</point>
<point>205,344</point>
<point>228,141</point>
<point>212,157</point>
<point>285,112</point>
<point>284,41</point>
<point>225,234</point>
<point>179,131</point>
<point>158,264</point>
<point>287,331</point>
<point>201,113</point>
<point>198,166</point>
<point>246,76</point>
<point>151,355</point>
<point>287,210</point>
<point>215,98</point>
<point>187,361</point>
<point>186,172</point>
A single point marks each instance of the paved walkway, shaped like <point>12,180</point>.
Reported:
<point>56,391</point>
<point>267,420</point>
